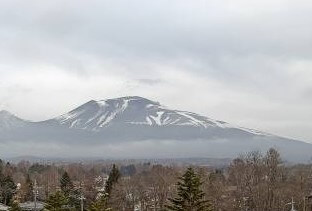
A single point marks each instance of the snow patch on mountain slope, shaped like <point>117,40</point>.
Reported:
<point>157,119</point>
<point>94,114</point>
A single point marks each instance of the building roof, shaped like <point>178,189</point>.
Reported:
<point>30,205</point>
<point>3,207</point>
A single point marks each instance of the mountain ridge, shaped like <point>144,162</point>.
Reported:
<point>154,110</point>
<point>122,123</point>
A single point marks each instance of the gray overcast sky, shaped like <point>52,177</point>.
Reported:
<point>245,62</point>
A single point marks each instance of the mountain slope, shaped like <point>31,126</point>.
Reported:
<point>137,127</point>
<point>9,121</point>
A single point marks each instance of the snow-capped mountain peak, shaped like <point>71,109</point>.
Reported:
<point>133,110</point>
<point>98,114</point>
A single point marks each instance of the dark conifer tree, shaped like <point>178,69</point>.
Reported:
<point>100,204</point>
<point>66,184</point>
<point>112,180</point>
<point>190,197</point>
<point>7,189</point>
<point>1,168</point>
<point>57,202</point>
<point>69,191</point>
<point>29,189</point>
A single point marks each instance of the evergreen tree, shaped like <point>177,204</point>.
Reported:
<point>100,204</point>
<point>66,184</point>
<point>15,207</point>
<point>28,189</point>
<point>190,196</point>
<point>75,198</point>
<point>69,191</point>
<point>1,168</point>
<point>7,189</point>
<point>57,202</point>
<point>112,180</point>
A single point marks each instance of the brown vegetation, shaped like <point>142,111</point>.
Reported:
<point>253,181</point>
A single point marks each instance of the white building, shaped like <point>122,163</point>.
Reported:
<point>29,206</point>
<point>3,207</point>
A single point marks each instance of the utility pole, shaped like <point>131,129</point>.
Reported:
<point>292,203</point>
<point>81,202</point>
<point>81,198</point>
<point>35,195</point>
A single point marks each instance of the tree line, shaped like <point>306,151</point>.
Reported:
<point>253,181</point>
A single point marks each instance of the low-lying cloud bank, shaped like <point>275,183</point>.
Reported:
<point>146,149</point>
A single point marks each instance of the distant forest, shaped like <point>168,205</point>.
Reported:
<point>253,181</point>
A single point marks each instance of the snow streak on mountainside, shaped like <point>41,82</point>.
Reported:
<point>96,115</point>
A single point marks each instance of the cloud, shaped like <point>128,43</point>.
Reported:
<point>244,62</point>
<point>147,81</point>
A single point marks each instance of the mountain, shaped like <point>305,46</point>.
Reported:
<point>97,115</point>
<point>9,121</point>
<point>138,127</point>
